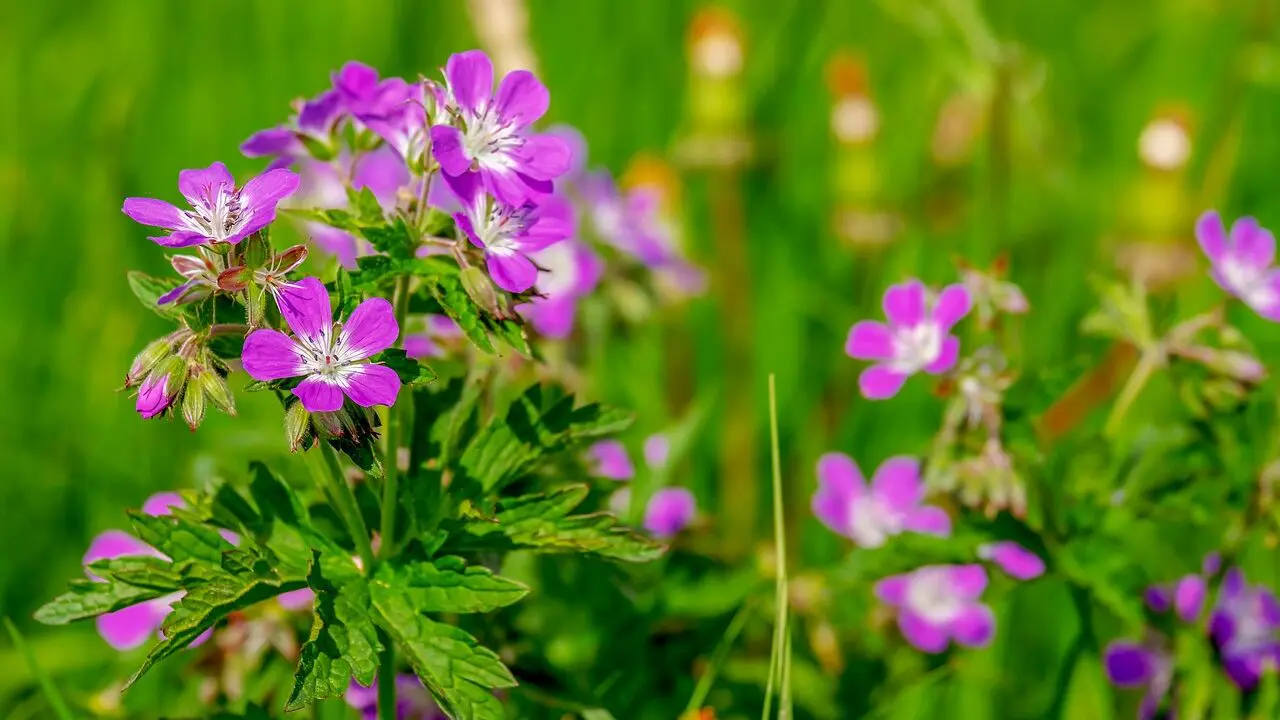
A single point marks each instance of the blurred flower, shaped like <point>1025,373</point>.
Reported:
<point>491,143</point>
<point>1131,664</point>
<point>992,295</point>
<point>327,355</point>
<point>201,275</point>
<point>1164,144</point>
<point>314,121</point>
<point>657,450</point>
<point>869,516</point>
<point>221,213</point>
<point>917,337</point>
<point>669,511</point>
<point>381,170</point>
<point>508,234</point>
<point>413,701</point>
<point>297,600</point>
<point>1187,595</point>
<point>940,603</point>
<point>427,344</point>
<point>1242,263</point>
<point>609,459</point>
<point>133,626</point>
<point>1245,627</point>
<point>568,271</point>
<point>1015,560</point>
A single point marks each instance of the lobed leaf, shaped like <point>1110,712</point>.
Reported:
<point>449,585</point>
<point>89,599</point>
<point>410,371</point>
<point>149,290</point>
<point>475,322</point>
<point>180,539</point>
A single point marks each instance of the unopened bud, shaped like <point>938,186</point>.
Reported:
<point>297,427</point>
<point>215,389</point>
<point>193,401</point>
<point>161,387</point>
<point>234,279</point>
<point>150,356</point>
<point>257,250</point>
<point>481,290</point>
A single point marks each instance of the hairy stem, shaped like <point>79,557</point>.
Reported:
<point>1150,360</point>
<point>334,483</point>
<point>391,456</point>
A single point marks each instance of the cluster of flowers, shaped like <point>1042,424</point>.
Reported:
<point>669,510</point>
<point>935,603</point>
<point>1243,627</point>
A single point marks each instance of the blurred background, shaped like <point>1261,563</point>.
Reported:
<point>812,152</point>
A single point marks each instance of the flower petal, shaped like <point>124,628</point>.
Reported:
<point>1188,597</point>
<point>270,142</point>
<point>897,483</point>
<point>306,308</point>
<point>511,270</point>
<point>163,503</point>
<point>156,213</point>
<point>869,340</point>
<point>1129,664</point>
<point>446,145</point>
<point>199,186</point>
<point>371,329</point>
<point>921,633</point>
<point>271,355</point>
<point>369,385</point>
<point>878,382</point>
<point>318,395</point>
<point>893,590</point>
<point>131,627</point>
<point>382,171</point>
<point>544,157</point>
<point>1015,560</point>
<point>948,355</point>
<point>175,293</point>
<point>470,76</point>
<point>669,511</point>
<point>1252,243</point>
<point>1212,235</point>
<point>609,459</point>
<point>904,303</point>
<point>113,544</point>
<point>974,626</point>
<point>180,239</point>
<point>296,600</point>
<point>261,194</point>
<point>968,581</point>
<point>522,98</point>
<point>929,520</point>
<point>952,305</point>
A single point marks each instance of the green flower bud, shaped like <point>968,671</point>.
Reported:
<point>151,356</point>
<point>193,402</point>
<point>215,389</point>
<point>481,290</point>
<point>297,427</point>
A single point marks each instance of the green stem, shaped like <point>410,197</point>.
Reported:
<point>387,680</point>
<point>391,455</point>
<point>780,655</point>
<point>334,483</point>
<point>1151,359</point>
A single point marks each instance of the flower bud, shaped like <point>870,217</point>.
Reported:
<point>193,401</point>
<point>234,279</point>
<point>215,390</point>
<point>297,427</point>
<point>150,356</point>
<point>480,289</point>
<point>161,387</point>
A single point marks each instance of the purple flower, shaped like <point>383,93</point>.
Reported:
<point>1130,664</point>
<point>657,450</point>
<point>1242,263</point>
<point>315,119</point>
<point>916,338</point>
<point>1245,627</point>
<point>403,123</point>
<point>426,344</point>
<point>1015,560</point>
<point>1187,595</point>
<point>609,459</point>
<point>133,626</point>
<point>629,222</point>
<point>328,355</point>
<point>221,213</point>
<point>493,142</point>
<point>940,603</point>
<point>156,395</point>
<point>891,505</point>
<point>365,94</point>
<point>669,511</point>
<point>201,279</point>
<point>569,270</point>
<point>297,600</point>
<point>508,234</point>
<point>413,701</point>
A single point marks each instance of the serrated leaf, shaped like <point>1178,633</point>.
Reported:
<point>410,371</point>
<point>179,539</point>
<point>457,305</point>
<point>150,289</point>
<point>460,673</point>
<point>395,238</point>
<point>139,571</point>
<point>91,599</point>
<point>365,205</point>
<point>449,585</point>
<point>204,605</point>
<point>343,642</point>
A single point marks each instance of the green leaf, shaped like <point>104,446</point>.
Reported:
<point>460,673</point>
<point>204,605</point>
<point>343,642</point>
<point>365,205</point>
<point>179,539</point>
<point>395,239</point>
<point>139,571</point>
<point>448,585</point>
<point>89,599</point>
<point>477,324</point>
<point>410,371</point>
<point>149,290</point>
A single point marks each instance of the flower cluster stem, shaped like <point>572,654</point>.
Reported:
<point>387,681</point>
<point>1150,360</point>
<point>334,484</point>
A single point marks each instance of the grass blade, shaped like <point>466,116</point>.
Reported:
<point>50,691</point>
<point>780,654</point>
<point>718,657</point>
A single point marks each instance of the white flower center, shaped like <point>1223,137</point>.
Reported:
<point>1249,281</point>
<point>497,226</point>
<point>330,358</point>
<point>560,266</point>
<point>930,596</point>
<point>1251,631</point>
<point>916,347</point>
<point>871,522</point>
<point>217,217</point>
<point>489,142</point>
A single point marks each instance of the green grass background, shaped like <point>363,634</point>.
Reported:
<point>103,100</point>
